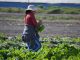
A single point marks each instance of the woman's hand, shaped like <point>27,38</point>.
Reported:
<point>39,22</point>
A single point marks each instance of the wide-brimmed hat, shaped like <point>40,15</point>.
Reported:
<point>31,7</point>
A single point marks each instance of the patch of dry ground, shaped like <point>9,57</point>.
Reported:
<point>65,28</point>
<point>57,27</point>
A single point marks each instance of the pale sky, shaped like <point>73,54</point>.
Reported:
<point>48,1</point>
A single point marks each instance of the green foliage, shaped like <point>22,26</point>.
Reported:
<point>58,10</point>
<point>42,9</point>
<point>71,10</point>
<point>15,50</point>
<point>45,13</point>
<point>18,10</point>
<point>55,11</point>
<point>40,6</point>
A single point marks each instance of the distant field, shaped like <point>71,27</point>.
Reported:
<point>40,16</point>
<point>60,39</point>
<point>42,9</point>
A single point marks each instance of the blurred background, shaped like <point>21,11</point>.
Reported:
<point>61,17</point>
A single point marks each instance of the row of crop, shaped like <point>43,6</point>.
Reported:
<point>49,10</point>
<point>60,52</point>
<point>14,49</point>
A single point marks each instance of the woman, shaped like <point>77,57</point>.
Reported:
<point>30,34</point>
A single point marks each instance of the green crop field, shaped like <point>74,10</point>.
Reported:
<point>53,48</point>
<point>48,10</point>
<point>44,14</point>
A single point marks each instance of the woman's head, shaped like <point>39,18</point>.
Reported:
<point>28,11</point>
<point>31,8</point>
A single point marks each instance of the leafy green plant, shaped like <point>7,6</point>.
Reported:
<point>14,50</point>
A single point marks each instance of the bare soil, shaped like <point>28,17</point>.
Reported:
<point>72,29</point>
<point>69,28</point>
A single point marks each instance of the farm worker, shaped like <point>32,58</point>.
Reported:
<point>30,34</point>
